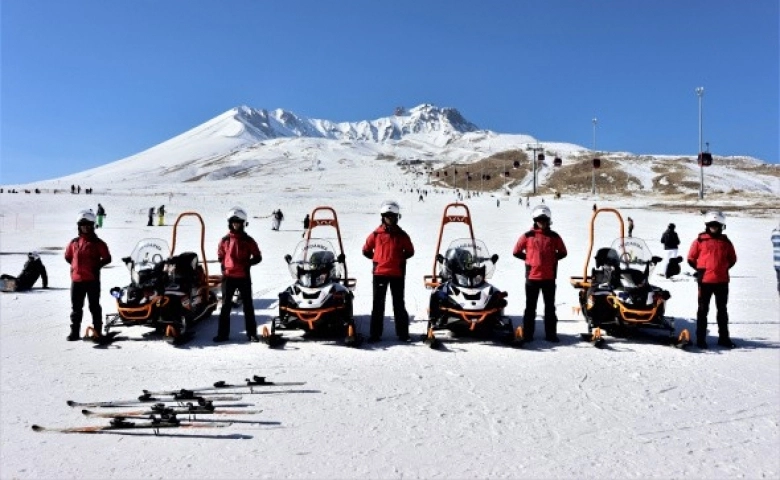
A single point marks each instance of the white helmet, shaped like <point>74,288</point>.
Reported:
<point>237,212</point>
<point>86,216</point>
<point>389,206</point>
<point>541,211</point>
<point>715,217</point>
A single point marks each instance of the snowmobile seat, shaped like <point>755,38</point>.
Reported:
<point>183,275</point>
<point>608,257</point>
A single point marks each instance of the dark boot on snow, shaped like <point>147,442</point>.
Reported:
<point>74,333</point>
<point>726,342</point>
<point>702,344</point>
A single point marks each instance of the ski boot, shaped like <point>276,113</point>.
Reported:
<point>74,333</point>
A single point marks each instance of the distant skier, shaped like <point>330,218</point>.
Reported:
<point>276,219</point>
<point>306,222</point>
<point>151,216</point>
<point>101,213</point>
<point>670,241</point>
<point>161,215</point>
<point>32,270</point>
<point>630,227</point>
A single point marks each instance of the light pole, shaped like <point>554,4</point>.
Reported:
<point>700,94</point>
<point>593,168</point>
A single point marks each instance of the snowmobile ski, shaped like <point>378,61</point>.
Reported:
<point>92,335</point>
<point>120,424</point>
<point>255,381</point>
<point>150,399</point>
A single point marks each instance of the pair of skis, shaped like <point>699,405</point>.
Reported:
<point>121,424</point>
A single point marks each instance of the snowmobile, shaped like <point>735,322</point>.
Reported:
<point>617,298</point>
<point>320,301</point>
<point>168,292</point>
<point>462,301</point>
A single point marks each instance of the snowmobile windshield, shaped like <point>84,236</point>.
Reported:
<point>635,261</point>
<point>467,263</point>
<point>146,255</point>
<point>313,264</point>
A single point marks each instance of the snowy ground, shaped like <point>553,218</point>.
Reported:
<point>474,410</point>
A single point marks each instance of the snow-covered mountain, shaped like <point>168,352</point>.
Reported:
<point>245,142</point>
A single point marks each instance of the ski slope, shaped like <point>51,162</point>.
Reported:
<point>637,409</point>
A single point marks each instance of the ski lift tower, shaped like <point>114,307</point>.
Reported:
<point>700,94</point>
<point>593,169</point>
<point>534,148</point>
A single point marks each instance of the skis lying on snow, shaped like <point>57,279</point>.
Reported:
<point>250,383</point>
<point>163,409</point>
<point>145,398</point>
<point>121,424</point>
<point>172,417</point>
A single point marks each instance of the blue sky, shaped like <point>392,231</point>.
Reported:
<point>87,82</point>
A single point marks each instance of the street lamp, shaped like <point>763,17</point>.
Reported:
<point>536,148</point>
<point>700,94</point>
<point>593,167</point>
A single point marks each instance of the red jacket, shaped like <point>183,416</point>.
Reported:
<point>87,254</point>
<point>237,252</point>
<point>541,250</point>
<point>712,256</point>
<point>389,247</point>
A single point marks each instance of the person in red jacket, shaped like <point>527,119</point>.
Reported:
<point>237,253</point>
<point>712,255</point>
<point>541,248</point>
<point>86,254</point>
<point>389,247</point>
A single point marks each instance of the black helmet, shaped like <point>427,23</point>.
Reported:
<point>671,226</point>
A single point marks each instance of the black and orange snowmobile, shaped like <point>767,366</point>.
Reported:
<point>168,292</point>
<point>616,296</point>
<point>462,301</point>
<point>320,301</point>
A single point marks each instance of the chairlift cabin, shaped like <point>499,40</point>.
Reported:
<point>596,163</point>
<point>705,159</point>
<point>557,162</point>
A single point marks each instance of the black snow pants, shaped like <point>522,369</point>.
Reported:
<point>90,290</point>
<point>721,293</point>
<point>396,285</point>
<point>244,287</point>
<point>532,288</point>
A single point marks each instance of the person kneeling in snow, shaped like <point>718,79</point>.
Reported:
<point>32,270</point>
